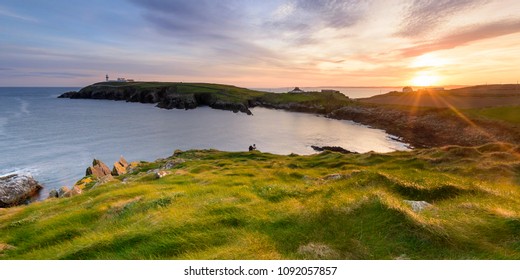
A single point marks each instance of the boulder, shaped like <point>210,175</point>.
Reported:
<point>83,182</point>
<point>160,174</point>
<point>75,191</point>
<point>16,189</point>
<point>172,163</point>
<point>418,206</point>
<point>120,167</point>
<point>63,190</point>
<point>53,194</point>
<point>98,169</point>
<point>104,179</point>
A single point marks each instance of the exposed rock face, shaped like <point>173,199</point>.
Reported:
<point>172,163</point>
<point>167,97</point>
<point>70,193</point>
<point>426,127</point>
<point>120,167</point>
<point>17,189</point>
<point>98,169</point>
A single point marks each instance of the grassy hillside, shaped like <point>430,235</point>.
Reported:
<point>510,114</point>
<point>467,97</point>
<point>239,205</point>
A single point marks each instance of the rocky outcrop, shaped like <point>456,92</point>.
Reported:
<point>98,169</point>
<point>166,97</point>
<point>120,167</point>
<point>16,189</point>
<point>65,192</point>
<point>426,127</point>
<point>332,149</point>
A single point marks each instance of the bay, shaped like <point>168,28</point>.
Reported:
<point>55,139</point>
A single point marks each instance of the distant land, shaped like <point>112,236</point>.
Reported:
<point>456,201</point>
<point>423,118</point>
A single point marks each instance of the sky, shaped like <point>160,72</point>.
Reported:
<point>261,44</point>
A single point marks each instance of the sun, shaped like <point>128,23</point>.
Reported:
<point>425,80</point>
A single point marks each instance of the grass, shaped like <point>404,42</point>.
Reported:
<point>510,114</point>
<point>252,205</point>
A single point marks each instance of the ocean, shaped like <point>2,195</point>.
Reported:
<point>56,139</point>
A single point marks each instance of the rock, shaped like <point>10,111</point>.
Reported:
<point>5,247</point>
<point>337,176</point>
<point>98,169</point>
<point>63,190</point>
<point>16,189</point>
<point>418,206</point>
<point>120,167</point>
<point>104,179</point>
<point>75,191</point>
<point>318,251</point>
<point>53,194</point>
<point>333,177</point>
<point>332,149</point>
<point>83,182</point>
<point>160,174</point>
<point>132,167</point>
<point>172,163</point>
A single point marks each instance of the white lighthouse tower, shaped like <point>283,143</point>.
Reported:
<point>106,77</point>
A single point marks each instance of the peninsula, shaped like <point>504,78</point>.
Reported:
<point>415,117</point>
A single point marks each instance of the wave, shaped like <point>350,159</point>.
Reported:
<point>19,171</point>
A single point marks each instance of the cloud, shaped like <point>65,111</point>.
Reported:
<point>465,36</point>
<point>300,20</point>
<point>423,16</point>
<point>8,13</point>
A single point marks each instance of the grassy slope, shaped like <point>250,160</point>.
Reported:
<point>222,205</point>
<point>510,114</point>
<point>236,94</point>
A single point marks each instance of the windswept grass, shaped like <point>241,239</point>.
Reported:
<point>252,205</point>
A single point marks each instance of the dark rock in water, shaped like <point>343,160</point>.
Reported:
<point>332,149</point>
<point>98,169</point>
<point>68,94</point>
<point>17,189</point>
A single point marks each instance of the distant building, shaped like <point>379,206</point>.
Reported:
<point>121,80</point>
<point>296,90</point>
<point>130,80</point>
<point>329,91</point>
<point>407,89</point>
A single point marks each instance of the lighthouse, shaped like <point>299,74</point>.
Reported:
<point>106,77</point>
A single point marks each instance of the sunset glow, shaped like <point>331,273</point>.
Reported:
<point>425,80</point>
<point>275,43</point>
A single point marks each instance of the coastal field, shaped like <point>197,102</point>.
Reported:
<point>461,98</point>
<point>442,203</point>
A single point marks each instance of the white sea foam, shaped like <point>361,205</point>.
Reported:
<point>24,108</point>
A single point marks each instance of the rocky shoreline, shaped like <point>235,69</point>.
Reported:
<point>166,97</point>
<point>420,128</point>
<point>17,189</point>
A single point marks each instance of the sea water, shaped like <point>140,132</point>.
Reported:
<point>55,139</point>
